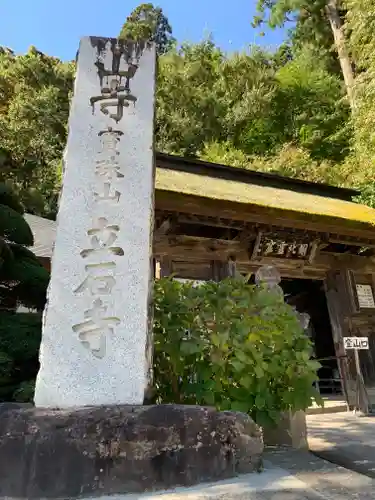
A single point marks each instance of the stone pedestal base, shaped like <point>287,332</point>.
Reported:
<point>291,431</point>
<point>96,451</point>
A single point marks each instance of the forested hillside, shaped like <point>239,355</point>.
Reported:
<point>306,110</point>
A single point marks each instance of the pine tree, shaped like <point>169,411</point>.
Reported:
<point>23,282</point>
<point>147,22</point>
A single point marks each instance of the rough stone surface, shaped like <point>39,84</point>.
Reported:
<point>15,406</point>
<point>95,342</point>
<point>291,431</point>
<point>121,449</point>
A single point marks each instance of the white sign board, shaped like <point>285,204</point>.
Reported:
<point>359,343</point>
<point>365,297</point>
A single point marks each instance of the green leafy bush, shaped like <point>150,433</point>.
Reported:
<point>230,345</point>
<point>367,196</point>
<point>20,335</point>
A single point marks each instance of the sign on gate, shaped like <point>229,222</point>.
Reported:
<point>357,343</point>
<point>365,297</point>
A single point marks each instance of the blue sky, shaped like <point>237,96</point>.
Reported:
<point>56,27</point>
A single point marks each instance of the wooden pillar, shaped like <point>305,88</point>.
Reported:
<point>163,267</point>
<point>333,285</point>
<point>223,269</point>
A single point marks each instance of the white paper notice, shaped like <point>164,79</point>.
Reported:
<point>365,297</point>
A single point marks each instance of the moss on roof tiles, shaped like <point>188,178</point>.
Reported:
<point>263,196</point>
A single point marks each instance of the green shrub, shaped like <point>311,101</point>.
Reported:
<point>20,335</point>
<point>232,346</point>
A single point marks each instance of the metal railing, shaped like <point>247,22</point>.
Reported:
<point>334,384</point>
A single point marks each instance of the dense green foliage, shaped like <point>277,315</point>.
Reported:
<point>23,279</point>
<point>23,282</point>
<point>232,346</point>
<point>250,101</point>
<point>361,26</point>
<point>147,22</point>
<point>34,107</point>
<point>20,335</point>
<point>286,111</point>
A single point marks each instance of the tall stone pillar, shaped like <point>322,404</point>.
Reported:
<point>96,339</point>
<point>95,349</point>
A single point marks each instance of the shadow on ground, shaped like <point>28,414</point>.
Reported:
<point>344,439</point>
<point>327,480</point>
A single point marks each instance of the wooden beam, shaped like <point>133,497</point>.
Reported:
<point>314,251</point>
<point>202,270</point>
<point>350,242</point>
<point>247,236</point>
<point>192,249</point>
<point>177,202</point>
<point>256,247</point>
<point>216,270</point>
<point>249,231</point>
<point>167,226</point>
<point>213,221</point>
<point>163,228</point>
<point>196,270</point>
<point>223,269</point>
<point>289,273</point>
<point>206,248</point>
<point>231,268</point>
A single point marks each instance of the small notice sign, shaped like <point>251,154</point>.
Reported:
<point>365,297</point>
<point>359,343</point>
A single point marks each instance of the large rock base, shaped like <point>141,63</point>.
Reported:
<point>95,451</point>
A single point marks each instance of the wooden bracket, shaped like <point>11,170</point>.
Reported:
<point>256,246</point>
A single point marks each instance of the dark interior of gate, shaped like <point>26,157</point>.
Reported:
<point>212,221</point>
<point>308,296</point>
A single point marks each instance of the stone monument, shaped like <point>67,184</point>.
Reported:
<point>90,434</point>
<point>269,277</point>
<point>95,332</point>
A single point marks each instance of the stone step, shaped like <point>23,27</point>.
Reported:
<point>330,406</point>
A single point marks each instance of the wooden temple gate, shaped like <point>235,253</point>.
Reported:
<point>212,221</point>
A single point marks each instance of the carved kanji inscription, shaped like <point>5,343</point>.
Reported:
<point>95,328</point>
<point>99,280</point>
<point>109,166</point>
<point>102,236</point>
<point>115,92</point>
<point>107,193</point>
